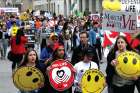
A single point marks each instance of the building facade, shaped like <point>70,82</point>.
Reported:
<point>64,6</point>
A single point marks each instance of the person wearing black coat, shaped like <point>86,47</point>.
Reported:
<point>116,83</point>
<point>78,51</point>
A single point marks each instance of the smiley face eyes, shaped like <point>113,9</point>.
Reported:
<point>96,79</point>
<point>29,73</point>
<point>125,60</point>
<point>134,61</point>
<point>35,80</point>
<point>88,78</point>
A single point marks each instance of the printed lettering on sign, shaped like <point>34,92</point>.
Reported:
<point>61,75</point>
<point>131,6</point>
<point>119,21</point>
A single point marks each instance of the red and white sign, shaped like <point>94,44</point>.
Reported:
<point>61,75</point>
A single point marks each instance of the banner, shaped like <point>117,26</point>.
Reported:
<point>93,81</point>
<point>119,21</point>
<point>61,75</point>
<point>9,9</point>
<point>128,64</point>
<point>28,78</point>
<point>132,6</point>
<point>30,34</point>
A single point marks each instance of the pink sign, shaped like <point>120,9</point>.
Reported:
<point>61,74</point>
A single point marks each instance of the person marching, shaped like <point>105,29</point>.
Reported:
<point>18,48</point>
<point>31,59</point>
<point>58,53</point>
<point>84,65</point>
<point>116,83</point>
<point>78,51</point>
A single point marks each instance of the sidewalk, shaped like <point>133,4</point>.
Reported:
<point>6,83</point>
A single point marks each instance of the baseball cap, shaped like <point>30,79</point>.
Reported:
<point>53,35</point>
<point>89,52</point>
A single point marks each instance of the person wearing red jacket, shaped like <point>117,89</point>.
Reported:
<point>18,47</point>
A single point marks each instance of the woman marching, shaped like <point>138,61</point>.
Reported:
<point>117,84</point>
<point>18,47</point>
<point>31,59</point>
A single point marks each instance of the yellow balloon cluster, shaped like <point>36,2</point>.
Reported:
<point>128,64</point>
<point>114,5</point>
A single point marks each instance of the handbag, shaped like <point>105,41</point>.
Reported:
<point>10,56</point>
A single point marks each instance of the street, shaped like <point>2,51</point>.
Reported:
<point>6,84</point>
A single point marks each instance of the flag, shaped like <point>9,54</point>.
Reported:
<point>107,41</point>
<point>109,38</point>
<point>74,6</point>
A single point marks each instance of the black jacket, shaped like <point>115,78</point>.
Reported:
<point>110,70</point>
<point>78,54</point>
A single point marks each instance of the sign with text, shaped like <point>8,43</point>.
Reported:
<point>30,34</point>
<point>119,21</point>
<point>132,6</point>
<point>93,81</point>
<point>61,74</point>
<point>9,9</point>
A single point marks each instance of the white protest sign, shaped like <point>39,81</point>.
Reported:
<point>119,21</point>
<point>9,9</point>
<point>132,6</point>
<point>36,13</point>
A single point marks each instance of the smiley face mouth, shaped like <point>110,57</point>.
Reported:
<point>91,91</point>
<point>127,73</point>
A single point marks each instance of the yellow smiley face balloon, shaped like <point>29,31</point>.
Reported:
<point>28,78</point>
<point>93,81</point>
<point>128,64</point>
<point>105,4</point>
<point>114,5</point>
